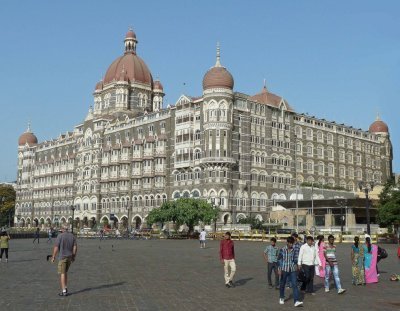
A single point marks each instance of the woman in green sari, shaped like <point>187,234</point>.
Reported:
<point>357,260</point>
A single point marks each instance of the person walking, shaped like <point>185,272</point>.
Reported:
<point>370,260</point>
<point>357,263</point>
<point>50,234</point>
<point>270,254</point>
<point>37,235</point>
<point>66,248</point>
<point>202,238</point>
<point>320,270</point>
<point>332,265</point>
<point>4,238</point>
<point>307,261</point>
<point>227,258</point>
<point>287,268</point>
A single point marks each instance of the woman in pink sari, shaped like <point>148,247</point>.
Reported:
<point>370,259</point>
<point>320,270</point>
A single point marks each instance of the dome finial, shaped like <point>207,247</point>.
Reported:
<point>265,85</point>
<point>130,41</point>
<point>28,130</point>
<point>378,117</point>
<point>218,62</point>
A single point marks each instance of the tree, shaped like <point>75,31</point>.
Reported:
<point>254,223</point>
<point>187,211</point>
<point>389,206</point>
<point>7,208</point>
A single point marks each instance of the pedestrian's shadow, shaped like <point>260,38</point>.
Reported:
<point>97,287</point>
<point>242,281</point>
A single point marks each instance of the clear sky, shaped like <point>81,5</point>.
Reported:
<point>338,60</point>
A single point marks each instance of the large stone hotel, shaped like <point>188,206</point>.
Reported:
<point>132,152</point>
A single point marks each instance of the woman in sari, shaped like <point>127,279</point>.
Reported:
<point>320,270</point>
<point>357,262</point>
<point>370,259</point>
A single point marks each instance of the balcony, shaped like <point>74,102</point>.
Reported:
<point>218,160</point>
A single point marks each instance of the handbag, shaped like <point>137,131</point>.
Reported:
<point>382,253</point>
<point>301,276</point>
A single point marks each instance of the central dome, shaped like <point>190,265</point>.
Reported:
<point>130,65</point>
<point>135,70</point>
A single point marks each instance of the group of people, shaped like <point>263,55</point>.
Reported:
<point>298,262</point>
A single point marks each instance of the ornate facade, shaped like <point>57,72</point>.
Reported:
<point>241,152</point>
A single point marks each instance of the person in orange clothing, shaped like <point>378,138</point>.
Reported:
<point>227,257</point>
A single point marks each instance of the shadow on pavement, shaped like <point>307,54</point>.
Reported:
<point>97,287</point>
<point>242,281</point>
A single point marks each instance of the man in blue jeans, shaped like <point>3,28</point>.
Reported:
<point>287,267</point>
<point>332,265</point>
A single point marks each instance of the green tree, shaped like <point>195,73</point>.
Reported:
<point>254,223</point>
<point>7,208</point>
<point>187,211</point>
<point>389,206</point>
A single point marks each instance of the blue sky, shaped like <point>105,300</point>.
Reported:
<point>337,60</point>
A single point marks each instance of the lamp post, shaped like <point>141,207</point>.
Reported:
<point>297,186</point>
<point>341,203</point>
<point>367,187</point>
<point>2,200</point>
<point>73,219</point>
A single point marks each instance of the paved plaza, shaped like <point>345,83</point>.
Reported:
<point>171,275</point>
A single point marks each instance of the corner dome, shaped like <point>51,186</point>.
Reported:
<point>379,126</point>
<point>27,138</point>
<point>134,68</point>
<point>158,86</point>
<point>218,76</point>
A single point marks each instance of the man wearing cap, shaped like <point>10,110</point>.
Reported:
<point>66,249</point>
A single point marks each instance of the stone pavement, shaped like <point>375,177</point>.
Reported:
<point>171,275</point>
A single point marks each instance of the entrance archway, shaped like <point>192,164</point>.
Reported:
<point>124,221</point>
<point>226,218</point>
<point>138,222</point>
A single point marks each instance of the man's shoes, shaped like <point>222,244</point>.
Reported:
<point>281,301</point>
<point>231,284</point>
<point>341,291</point>
<point>269,286</point>
<point>63,294</point>
<point>298,304</point>
<point>326,290</point>
<point>227,285</point>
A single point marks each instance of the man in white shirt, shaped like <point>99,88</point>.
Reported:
<point>308,259</point>
<point>202,239</point>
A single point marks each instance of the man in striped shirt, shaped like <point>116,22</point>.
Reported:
<point>287,267</point>
<point>332,265</point>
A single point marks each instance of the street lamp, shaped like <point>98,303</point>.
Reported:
<point>297,186</point>
<point>73,217</point>
<point>341,203</point>
<point>367,187</point>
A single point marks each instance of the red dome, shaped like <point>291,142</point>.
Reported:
<point>135,69</point>
<point>379,127</point>
<point>130,34</point>
<point>29,138</point>
<point>157,85</point>
<point>218,77</point>
<point>99,86</point>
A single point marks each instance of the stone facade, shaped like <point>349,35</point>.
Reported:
<point>241,152</point>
